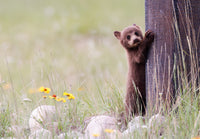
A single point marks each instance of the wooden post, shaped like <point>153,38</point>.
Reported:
<point>175,23</point>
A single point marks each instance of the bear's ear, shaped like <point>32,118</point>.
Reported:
<point>137,27</point>
<point>117,34</point>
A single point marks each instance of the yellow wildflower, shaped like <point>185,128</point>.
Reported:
<point>109,130</point>
<point>66,94</point>
<point>58,99</point>
<point>53,96</point>
<point>41,89</point>
<point>69,96</point>
<point>95,135</point>
<point>44,97</point>
<point>45,90</point>
<point>63,99</point>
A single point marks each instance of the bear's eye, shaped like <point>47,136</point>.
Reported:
<point>136,33</point>
<point>128,37</point>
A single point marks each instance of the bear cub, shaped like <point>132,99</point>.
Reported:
<point>136,46</point>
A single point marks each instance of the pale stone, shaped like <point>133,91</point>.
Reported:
<point>98,124</point>
<point>72,134</point>
<point>41,134</point>
<point>43,117</point>
<point>135,125</point>
<point>27,100</point>
<point>61,136</point>
<point>156,124</point>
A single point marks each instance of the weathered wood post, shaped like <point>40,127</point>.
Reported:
<point>176,27</point>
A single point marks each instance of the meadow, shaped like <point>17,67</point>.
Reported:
<point>69,46</point>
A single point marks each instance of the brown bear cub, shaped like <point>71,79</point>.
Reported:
<point>136,47</point>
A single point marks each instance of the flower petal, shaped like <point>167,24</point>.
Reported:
<point>41,89</point>
<point>109,130</point>
<point>95,135</point>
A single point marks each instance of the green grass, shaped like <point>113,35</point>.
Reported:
<point>65,45</point>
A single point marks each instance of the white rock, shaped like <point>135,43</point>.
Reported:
<point>43,117</point>
<point>72,134</point>
<point>41,134</point>
<point>61,136</point>
<point>97,127</point>
<point>135,125</point>
<point>27,100</point>
<point>156,124</point>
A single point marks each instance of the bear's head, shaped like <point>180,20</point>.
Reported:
<point>130,37</point>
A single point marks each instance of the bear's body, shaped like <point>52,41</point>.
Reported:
<point>136,47</point>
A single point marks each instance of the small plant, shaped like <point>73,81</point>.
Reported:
<point>5,122</point>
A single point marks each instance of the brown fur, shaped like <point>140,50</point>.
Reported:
<point>136,47</point>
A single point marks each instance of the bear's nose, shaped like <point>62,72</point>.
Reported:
<point>136,40</point>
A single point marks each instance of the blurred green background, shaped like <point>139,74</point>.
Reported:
<point>71,39</point>
<point>64,45</point>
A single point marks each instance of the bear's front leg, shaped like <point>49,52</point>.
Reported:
<point>148,37</point>
<point>145,44</point>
